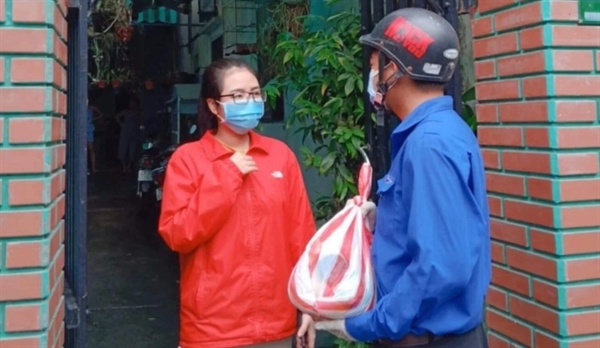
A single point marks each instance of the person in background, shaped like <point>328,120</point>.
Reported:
<point>130,121</point>
<point>431,247</point>
<point>93,114</point>
<point>236,210</point>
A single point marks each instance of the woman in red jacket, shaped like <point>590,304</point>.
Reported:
<point>236,210</point>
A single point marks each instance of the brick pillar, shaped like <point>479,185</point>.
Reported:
<point>538,87</point>
<point>33,55</point>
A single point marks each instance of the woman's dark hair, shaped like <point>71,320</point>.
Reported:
<point>212,87</point>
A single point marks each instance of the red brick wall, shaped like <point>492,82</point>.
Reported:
<point>538,88</point>
<point>32,179</point>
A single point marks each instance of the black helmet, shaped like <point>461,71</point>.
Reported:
<point>422,43</point>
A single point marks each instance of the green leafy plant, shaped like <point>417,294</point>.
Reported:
<point>340,343</point>
<point>275,17</point>
<point>100,45</point>
<point>324,66</point>
<point>468,104</point>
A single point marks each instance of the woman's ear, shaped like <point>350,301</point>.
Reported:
<point>213,106</point>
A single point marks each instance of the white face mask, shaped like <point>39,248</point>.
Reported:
<point>375,96</point>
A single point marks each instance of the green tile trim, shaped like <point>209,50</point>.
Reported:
<point>47,159</point>
<point>4,206</point>
<point>46,138</point>
<point>547,34</point>
<point>3,253</point>
<point>8,11</point>
<point>44,314</point>
<point>48,70</point>
<point>7,68</point>
<point>561,273</point>
<point>555,191</point>
<point>554,164</point>
<point>553,136</point>
<point>46,221</point>
<point>548,57</point>
<point>48,99</point>
<point>558,246</point>
<point>50,42</point>
<point>562,295</point>
<point>551,91</point>
<point>49,11</point>
<point>46,282</point>
<point>546,10</point>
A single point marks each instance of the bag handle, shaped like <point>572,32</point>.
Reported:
<point>365,177</point>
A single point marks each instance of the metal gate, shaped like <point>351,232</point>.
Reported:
<point>76,177</point>
<point>377,135</point>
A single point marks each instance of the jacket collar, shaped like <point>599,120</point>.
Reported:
<point>214,150</point>
<point>419,114</point>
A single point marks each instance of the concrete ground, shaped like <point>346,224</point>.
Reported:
<point>132,276</point>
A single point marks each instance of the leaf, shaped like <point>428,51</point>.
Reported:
<point>469,95</point>
<point>288,56</point>
<point>359,84</point>
<point>324,88</point>
<point>338,40</point>
<point>344,76</point>
<point>328,161</point>
<point>349,87</point>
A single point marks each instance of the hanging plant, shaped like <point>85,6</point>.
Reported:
<point>108,15</point>
<point>101,45</point>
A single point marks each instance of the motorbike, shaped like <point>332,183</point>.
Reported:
<point>158,174</point>
<point>146,163</point>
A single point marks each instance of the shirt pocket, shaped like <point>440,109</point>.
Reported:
<point>385,185</point>
<point>385,206</point>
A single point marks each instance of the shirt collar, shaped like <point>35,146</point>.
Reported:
<point>214,150</point>
<point>419,114</point>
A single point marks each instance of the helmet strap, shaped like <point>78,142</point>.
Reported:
<point>385,85</point>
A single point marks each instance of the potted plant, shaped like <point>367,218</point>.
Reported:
<point>149,84</point>
<point>120,76</point>
<point>124,33</point>
<point>115,81</point>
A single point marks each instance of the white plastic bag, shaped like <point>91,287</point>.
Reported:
<point>334,277</point>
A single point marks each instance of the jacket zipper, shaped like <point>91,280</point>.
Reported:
<point>253,263</point>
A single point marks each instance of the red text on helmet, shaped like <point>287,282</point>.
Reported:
<point>413,39</point>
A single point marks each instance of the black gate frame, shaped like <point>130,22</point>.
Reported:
<point>76,177</point>
<point>372,11</point>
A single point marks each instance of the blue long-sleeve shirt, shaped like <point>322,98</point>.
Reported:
<point>431,249</point>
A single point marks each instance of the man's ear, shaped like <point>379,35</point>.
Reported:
<point>212,106</point>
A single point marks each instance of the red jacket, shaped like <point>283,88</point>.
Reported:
<point>238,237</point>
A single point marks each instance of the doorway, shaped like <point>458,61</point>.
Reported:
<point>76,182</point>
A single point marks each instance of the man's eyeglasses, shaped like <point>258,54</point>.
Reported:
<point>244,97</point>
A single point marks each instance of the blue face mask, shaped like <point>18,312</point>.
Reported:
<point>242,118</point>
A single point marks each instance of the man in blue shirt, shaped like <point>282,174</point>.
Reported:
<point>431,248</point>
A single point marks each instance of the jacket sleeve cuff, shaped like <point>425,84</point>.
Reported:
<point>359,328</point>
